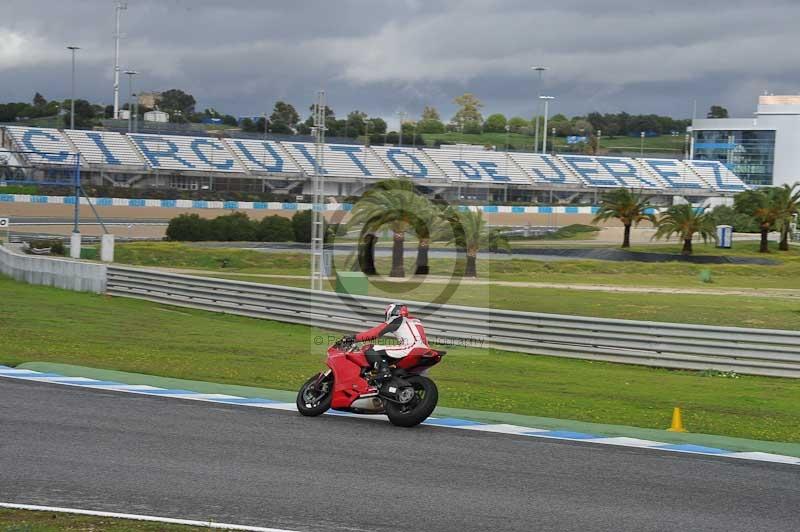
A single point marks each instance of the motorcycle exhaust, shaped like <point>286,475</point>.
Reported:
<point>367,404</point>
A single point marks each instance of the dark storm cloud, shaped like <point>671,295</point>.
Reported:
<point>381,57</point>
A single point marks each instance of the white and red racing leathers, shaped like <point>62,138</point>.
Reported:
<point>408,332</point>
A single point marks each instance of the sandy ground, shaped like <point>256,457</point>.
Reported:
<point>122,231</point>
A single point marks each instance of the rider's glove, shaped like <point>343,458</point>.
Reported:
<point>345,341</point>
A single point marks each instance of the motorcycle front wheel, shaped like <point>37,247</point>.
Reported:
<point>314,400</point>
<point>426,395</point>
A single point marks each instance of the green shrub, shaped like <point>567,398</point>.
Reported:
<point>571,230</point>
<point>562,233</point>
<point>56,246</point>
<point>236,227</point>
<point>741,223</point>
<point>189,228</point>
<point>301,226</point>
<point>275,229</point>
<point>19,189</point>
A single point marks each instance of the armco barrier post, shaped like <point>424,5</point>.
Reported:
<point>75,245</point>
<point>107,248</point>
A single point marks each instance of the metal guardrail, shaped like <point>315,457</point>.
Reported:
<point>670,345</point>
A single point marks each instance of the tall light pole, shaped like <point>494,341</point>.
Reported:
<point>121,6</point>
<point>130,74</point>
<point>641,144</point>
<point>540,70</point>
<point>366,139</point>
<point>73,49</point>
<point>318,267</point>
<point>546,112</point>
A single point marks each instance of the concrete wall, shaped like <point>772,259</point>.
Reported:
<point>46,271</point>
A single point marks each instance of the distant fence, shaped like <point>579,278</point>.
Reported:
<point>274,205</point>
<point>49,271</point>
<point>670,345</point>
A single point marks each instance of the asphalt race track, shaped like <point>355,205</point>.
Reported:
<point>110,451</point>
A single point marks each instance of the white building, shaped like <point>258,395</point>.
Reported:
<point>156,116</point>
<point>762,150</point>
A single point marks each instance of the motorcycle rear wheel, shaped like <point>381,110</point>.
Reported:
<point>409,415</point>
<point>314,402</point>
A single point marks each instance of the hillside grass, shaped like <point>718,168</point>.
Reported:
<point>519,142</point>
<point>701,309</point>
<point>52,325</point>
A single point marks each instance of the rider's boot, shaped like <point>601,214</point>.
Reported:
<point>383,372</point>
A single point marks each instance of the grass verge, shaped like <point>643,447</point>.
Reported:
<point>51,325</point>
<point>667,274</point>
<point>707,309</point>
<point>702,309</point>
<point>43,521</point>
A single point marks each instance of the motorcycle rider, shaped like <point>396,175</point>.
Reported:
<point>407,330</point>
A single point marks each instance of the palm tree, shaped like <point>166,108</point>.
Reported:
<point>366,252</point>
<point>763,205</point>
<point>767,213</point>
<point>427,222</point>
<point>627,207</point>
<point>684,221</point>
<point>391,205</point>
<point>471,233</point>
<point>787,199</point>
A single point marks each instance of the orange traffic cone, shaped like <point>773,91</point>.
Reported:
<point>677,421</point>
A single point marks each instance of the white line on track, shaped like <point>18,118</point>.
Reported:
<point>135,517</point>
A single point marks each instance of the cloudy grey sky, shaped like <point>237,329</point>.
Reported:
<point>239,56</point>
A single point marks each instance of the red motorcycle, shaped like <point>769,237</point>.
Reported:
<point>351,384</point>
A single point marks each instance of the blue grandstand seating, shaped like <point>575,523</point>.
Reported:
<point>546,170</point>
<point>611,172</point>
<point>42,146</point>
<point>101,147</point>
<point>346,160</point>
<point>717,176</point>
<point>248,156</point>
<point>262,155</point>
<point>478,166</point>
<point>185,153</point>
<point>408,162</point>
<point>674,174</point>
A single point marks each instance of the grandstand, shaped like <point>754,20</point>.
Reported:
<point>193,162</point>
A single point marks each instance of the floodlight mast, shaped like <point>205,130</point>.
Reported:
<point>546,100</point>
<point>121,6</point>
<point>130,74</point>
<point>540,70</point>
<point>72,49</point>
<point>318,205</point>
